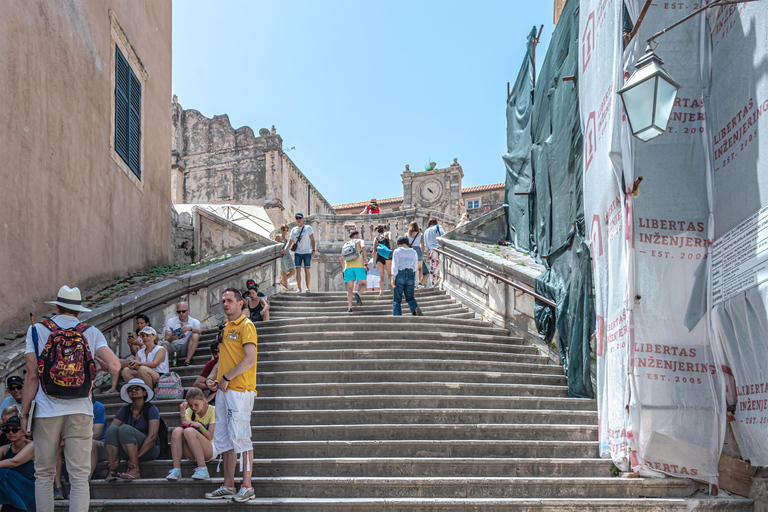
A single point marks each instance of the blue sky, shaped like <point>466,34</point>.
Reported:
<point>361,88</point>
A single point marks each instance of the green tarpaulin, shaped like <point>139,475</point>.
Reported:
<point>544,160</point>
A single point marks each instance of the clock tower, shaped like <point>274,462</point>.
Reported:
<point>434,189</point>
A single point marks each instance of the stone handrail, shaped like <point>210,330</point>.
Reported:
<point>200,288</point>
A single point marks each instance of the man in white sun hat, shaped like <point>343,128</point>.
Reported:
<point>61,392</point>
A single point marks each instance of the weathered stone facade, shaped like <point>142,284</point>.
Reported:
<point>213,163</point>
<point>436,189</point>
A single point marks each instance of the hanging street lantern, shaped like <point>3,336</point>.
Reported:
<point>648,97</point>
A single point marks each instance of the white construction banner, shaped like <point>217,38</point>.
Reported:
<point>660,393</point>
<point>605,213</point>
<point>737,113</point>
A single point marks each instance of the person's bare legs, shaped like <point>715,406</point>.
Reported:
<point>229,468</point>
<point>129,373</point>
<point>381,268</point>
<point>116,376</point>
<point>306,275</point>
<point>194,339</point>
<point>247,469</point>
<point>350,291</point>
<point>194,449</point>
<point>298,277</point>
<point>177,448</point>
<point>132,451</point>
<point>148,375</point>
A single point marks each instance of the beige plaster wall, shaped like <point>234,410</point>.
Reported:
<point>68,212</point>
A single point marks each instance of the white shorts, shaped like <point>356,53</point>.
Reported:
<point>233,421</point>
<point>373,282</point>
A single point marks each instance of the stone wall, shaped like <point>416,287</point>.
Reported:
<point>159,300</point>
<point>72,210</point>
<point>183,238</point>
<point>495,301</point>
<point>213,163</point>
<point>488,228</point>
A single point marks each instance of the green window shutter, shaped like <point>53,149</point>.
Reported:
<point>127,114</point>
<point>122,90</point>
<point>134,127</point>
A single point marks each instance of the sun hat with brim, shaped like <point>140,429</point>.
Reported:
<point>148,330</point>
<point>69,298</point>
<point>136,382</point>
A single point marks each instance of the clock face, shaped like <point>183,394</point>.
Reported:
<point>431,190</point>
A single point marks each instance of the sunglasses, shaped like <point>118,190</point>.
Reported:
<point>9,430</point>
<point>14,388</point>
<point>182,310</point>
<point>215,352</point>
<point>134,388</point>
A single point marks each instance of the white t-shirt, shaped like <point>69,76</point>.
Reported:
<point>48,406</point>
<point>304,247</point>
<point>174,324</point>
<point>144,358</point>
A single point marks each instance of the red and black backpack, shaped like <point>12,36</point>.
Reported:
<point>65,365</point>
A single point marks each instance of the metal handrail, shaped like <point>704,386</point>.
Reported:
<point>165,300</point>
<point>498,277</point>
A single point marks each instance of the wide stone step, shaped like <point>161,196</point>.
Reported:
<point>360,319</point>
<point>402,402</point>
<point>383,388</point>
<point>410,416</point>
<point>399,467</point>
<point>290,504</point>
<point>377,324</point>
<point>347,365</point>
<point>373,487</point>
<point>367,352</point>
<point>316,296</point>
<point>368,300</point>
<point>401,432</point>
<point>451,312</point>
<point>508,345</point>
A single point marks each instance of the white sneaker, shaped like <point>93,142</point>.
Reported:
<point>244,495</point>
<point>222,493</point>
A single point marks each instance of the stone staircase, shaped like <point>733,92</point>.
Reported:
<point>366,412</point>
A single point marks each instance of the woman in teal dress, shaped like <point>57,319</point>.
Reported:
<point>17,469</point>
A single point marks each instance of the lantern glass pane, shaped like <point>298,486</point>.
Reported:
<point>665,101</point>
<point>638,102</point>
<point>649,133</point>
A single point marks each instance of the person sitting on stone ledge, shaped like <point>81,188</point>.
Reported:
<point>194,438</point>
<point>134,345</point>
<point>133,434</point>
<point>151,361</point>
<point>17,468</point>
<point>14,386</point>
<point>256,302</point>
<point>183,333</point>
<point>8,412</point>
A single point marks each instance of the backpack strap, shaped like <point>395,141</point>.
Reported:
<point>50,325</point>
<point>81,327</point>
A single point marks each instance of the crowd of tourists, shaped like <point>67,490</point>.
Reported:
<point>395,260</point>
<point>53,427</point>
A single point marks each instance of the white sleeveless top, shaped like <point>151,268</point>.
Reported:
<point>162,367</point>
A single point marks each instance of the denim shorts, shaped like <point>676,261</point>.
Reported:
<point>299,258</point>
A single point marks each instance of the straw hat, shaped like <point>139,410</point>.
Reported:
<point>69,298</point>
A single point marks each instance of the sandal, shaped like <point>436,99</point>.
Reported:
<point>111,474</point>
<point>111,392</point>
<point>128,476</point>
